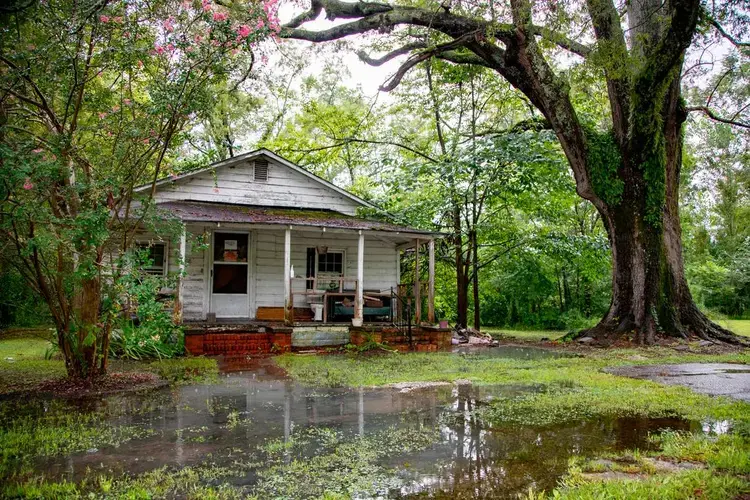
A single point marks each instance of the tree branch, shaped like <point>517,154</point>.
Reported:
<point>380,16</point>
<point>390,55</point>
<point>734,41</point>
<point>711,114</point>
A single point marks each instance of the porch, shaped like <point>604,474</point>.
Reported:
<point>262,266</point>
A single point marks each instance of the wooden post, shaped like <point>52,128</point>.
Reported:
<point>417,286</point>
<point>288,305</point>
<point>359,300</point>
<point>431,284</point>
<point>398,267</point>
<point>181,280</point>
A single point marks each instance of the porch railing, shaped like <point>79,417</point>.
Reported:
<point>401,313</point>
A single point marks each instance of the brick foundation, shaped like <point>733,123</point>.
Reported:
<point>236,341</point>
<point>243,340</point>
<point>424,338</point>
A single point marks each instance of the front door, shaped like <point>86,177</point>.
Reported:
<point>230,275</point>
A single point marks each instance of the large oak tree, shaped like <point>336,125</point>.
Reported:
<point>630,170</point>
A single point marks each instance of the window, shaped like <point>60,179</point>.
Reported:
<point>331,263</point>
<point>156,259</point>
<point>261,170</point>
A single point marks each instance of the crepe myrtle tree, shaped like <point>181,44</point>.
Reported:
<point>94,98</point>
<point>630,169</point>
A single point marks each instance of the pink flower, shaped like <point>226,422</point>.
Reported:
<point>146,141</point>
<point>220,16</point>
<point>216,190</point>
<point>102,116</point>
<point>215,43</point>
<point>259,25</point>
<point>234,52</point>
<point>244,31</point>
<point>190,49</point>
<point>186,4</point>
<point>264,59</point>
<point>170,47</point>
<point>198,38</point>
<point>115,109</point>
<point>206,6</point>
<point>169,24</point>
<point>28,185</point>
<point>118,20</point>
<point>38,150</point>
<point>158,49</point>
<point>126,34</point>
<point>104,19</point>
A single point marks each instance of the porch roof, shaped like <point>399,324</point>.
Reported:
<point>192,211</point>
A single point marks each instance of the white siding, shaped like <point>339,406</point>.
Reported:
<point>236,184</point>
<point>195,283</point>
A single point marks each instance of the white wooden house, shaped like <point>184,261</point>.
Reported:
<point>283,245</point>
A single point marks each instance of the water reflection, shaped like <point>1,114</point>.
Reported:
<point>231,421</point>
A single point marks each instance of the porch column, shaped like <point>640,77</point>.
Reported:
<point>181,279</point>
<point>288,306</point>
<point>359,300</point>
<point>431,284</point>
<point>417,286</point>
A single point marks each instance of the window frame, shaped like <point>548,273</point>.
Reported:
<point>331,250</point>
<point>154,270</point>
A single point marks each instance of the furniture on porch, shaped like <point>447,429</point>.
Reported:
<point>376,305</point>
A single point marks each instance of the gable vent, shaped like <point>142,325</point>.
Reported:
<point>261,170</point>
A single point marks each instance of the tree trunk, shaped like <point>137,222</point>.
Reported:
<point>462,289</point>
<point>81,345</point>
<point>475,279</point>
<point>650,294</point>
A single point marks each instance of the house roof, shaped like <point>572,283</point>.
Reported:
<point>270,154</point>
<point>193,211</point>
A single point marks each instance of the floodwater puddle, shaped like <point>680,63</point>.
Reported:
<point>279,434</point>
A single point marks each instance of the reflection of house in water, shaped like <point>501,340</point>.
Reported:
<point>468,459</point>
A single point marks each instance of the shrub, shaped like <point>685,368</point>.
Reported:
<point>149,331</point>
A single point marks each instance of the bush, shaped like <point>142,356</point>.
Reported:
<point>149,330</point>
<point>144,342</point>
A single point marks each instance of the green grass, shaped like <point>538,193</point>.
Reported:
<point>54,432</point>
<point>738,326</point>
<point>527,335</point>
<point>22,363</point>
<point>695,484</point>
<point>185,370</point>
